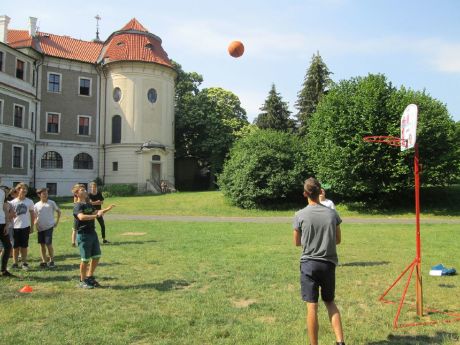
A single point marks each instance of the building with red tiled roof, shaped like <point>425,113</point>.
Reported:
<point>93,109</point>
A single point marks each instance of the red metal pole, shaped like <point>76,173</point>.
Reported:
<point>418,257</point>
<point>417,202</point>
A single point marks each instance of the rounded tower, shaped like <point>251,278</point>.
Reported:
<point>137,109</point>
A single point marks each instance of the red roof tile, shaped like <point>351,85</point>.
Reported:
<point>120,46</point>
<point>135,47</point>
<point>54,45</point>
<point>133,24</point>
<point>19,38</point>
<point>69,48</point>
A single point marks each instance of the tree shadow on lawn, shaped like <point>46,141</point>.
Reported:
<point>62,278</point>
<point>68,267</point>
<point>447,286</point>
<point>364,263</point>
<point>63,257</point>
<point>166,285</point>
<point>122,243</point>
<point>416,339</point>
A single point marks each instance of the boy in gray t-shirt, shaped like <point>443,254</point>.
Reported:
<point>317,230</point>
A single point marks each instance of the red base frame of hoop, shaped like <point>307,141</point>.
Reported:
<point>449,317</point>
<point>386,139</point>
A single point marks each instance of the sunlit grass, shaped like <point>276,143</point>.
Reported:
<point>181,283</point>
<point>215,204</point>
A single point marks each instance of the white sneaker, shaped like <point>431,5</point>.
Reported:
<point>25,266</point>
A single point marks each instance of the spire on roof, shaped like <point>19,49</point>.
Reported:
<point>98,18</point>
<point>133,24</point>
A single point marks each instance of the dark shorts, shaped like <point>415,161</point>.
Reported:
<point>21,237</point>
<point>88,243</point>
<point>316,274</point>
<point>45,236</point>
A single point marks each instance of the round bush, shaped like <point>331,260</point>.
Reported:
<point>265,168</point>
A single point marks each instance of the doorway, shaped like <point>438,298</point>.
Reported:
<point>156,174</point>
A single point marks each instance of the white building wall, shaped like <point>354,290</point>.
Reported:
<point>67,176</point>
<point>142,122</point>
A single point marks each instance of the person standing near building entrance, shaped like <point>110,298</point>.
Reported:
<point>25,217</point>
<point>317,230</point>
<point>96,199</point>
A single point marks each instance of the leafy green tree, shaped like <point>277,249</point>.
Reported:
<point>317,80</point>
<point>265,167</point>
<point>372,106</point>
<point>187,89</point>
<point>217,122</point>
<point>457,141</point>
<point>275,113</point>
<point>207,121</point>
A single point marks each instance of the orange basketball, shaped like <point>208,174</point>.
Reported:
<point>236,49</point>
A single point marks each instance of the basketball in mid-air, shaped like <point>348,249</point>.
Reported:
<point>236,49</point>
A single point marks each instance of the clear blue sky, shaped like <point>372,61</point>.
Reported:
<point>414,43</point>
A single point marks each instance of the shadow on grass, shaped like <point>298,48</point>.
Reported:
<point>416,339</point>
<point>65,278</point>
<point>63,257</point>
<point>122,243</point>
<point>166,285</point>
<point>364,263</point>
<point>447,286</point>
<point>440,201</point>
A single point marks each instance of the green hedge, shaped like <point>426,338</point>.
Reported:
<point>119,189</point>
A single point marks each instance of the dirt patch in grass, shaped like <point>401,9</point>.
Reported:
<point>133,233</point>
<point>204,289</point>
<point>243,303</point>
<point>267,319</point>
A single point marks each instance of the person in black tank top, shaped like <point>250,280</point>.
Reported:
<point>96,199</point>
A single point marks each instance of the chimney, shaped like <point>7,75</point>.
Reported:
<point>32,26</point>
<point>4,21</point>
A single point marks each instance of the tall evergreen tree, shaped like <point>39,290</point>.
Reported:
<point>315,84</point>
<point>275,113</point>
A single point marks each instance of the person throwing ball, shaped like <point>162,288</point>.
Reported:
<point>87,240</point>
<point>317,230</point>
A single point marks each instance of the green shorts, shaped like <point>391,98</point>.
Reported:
<point>88,243</point>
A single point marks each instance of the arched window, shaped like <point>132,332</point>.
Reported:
<point>83,161</point>
<point>116,129</point>
<point>51,160</point>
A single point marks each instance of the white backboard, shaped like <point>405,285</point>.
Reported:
<point>409,127</point>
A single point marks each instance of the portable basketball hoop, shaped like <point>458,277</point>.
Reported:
<point>408,141</point>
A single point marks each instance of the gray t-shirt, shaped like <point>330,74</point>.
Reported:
<point>45,214</point>
<point>318,225</point>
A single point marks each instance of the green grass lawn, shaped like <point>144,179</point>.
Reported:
<point>181,283</point>
<point>214,204</point>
